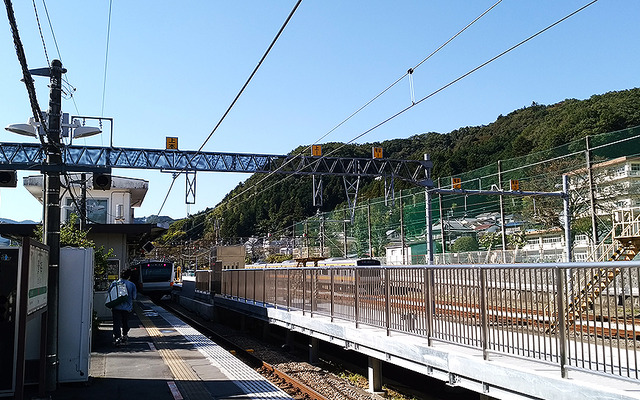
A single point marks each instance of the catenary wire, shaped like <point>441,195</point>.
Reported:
<point>255,70</point>
<point>53,35</point>
<point>44,45</point>
<point>106,59</point>
<point>435,92</point>
<point>69,90</point>
<point>374,98</point>
<point>397,114</point>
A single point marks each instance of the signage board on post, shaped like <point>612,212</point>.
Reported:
<point>38,279</point>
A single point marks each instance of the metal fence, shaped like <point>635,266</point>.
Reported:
<point>581,315</point>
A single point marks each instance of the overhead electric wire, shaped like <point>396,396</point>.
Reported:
<point>44,45</point>
<point>436,91</point>
<point>70,89</point>
<point>106,59</point>
<point>409,72</point>
<point>358,110</point>
<point>22,59</point>
<point>255,70</point>
<point>397,114</point>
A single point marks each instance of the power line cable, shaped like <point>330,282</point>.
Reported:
<point>431,94</point>
<point>44,45</point>
<point>106,59</point>
<point>410,71</point>
<point>22,59</point>
<point>69,89</point>
<point>397,114</point>
<point>398,80</point>
<point>53,35</point>
<point>255,70</point>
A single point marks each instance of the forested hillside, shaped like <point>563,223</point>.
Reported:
<point>274,204</point>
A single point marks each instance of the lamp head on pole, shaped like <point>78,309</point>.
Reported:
<point>31,128</point>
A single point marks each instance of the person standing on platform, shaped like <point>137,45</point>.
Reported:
<point>121,311</point>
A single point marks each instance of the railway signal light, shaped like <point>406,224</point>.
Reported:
<point>8,179</point>
<point>101,180</point>
<point>456,183</point>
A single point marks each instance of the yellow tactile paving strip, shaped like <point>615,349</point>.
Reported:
<point>189,383</point>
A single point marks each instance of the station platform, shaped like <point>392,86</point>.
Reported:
<point>164,359</point>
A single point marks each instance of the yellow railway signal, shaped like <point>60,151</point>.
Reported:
<point>456,183</point>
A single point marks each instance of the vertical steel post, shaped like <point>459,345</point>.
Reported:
<point>483,313</point>
<point>51,221</point>
<point>264,287</point>
<point>562,314</point>
<point>503,230</point>
<point>333,292</point>
<point>288,289</point>
<point>567,216</point>
<point>429,302</point>
<point>321,235</point>
<point>369,228</point>
<point>83,205</point>
<point>429,222</point>
<point>592,197</point>
<point>356,280</point>
<point>402,238</point>
<point>387,301</point>
<point>344,233</point>
<point>442,237</point>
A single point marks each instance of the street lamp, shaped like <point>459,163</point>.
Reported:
<point>34,128</point>
<point>31,128</point>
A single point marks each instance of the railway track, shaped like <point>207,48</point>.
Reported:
<point>299,379</point>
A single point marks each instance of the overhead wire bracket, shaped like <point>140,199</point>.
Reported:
<point>317,191</point>
<point>351,187</point>
<point>190,189</point>
<point>389,192</point>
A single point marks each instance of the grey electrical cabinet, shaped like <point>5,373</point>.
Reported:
<point>75,313</point>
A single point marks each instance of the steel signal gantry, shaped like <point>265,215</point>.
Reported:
<point>31,156</point>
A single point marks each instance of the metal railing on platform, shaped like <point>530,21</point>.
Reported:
<point>519,309</point>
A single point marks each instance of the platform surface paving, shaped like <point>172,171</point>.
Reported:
<point>163,359</point>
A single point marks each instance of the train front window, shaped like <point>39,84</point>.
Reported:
<point>157,272</point>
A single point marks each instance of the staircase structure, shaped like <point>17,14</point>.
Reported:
<point>621,244</point>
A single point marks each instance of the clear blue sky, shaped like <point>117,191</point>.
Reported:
<point>173,69</point>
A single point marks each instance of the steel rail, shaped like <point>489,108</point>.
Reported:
<point>242,353</point>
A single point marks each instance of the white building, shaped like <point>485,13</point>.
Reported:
<point>616,184</point>
<point>110,211</point>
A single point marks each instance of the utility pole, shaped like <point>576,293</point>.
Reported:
<point>51,220</point>
<point>503,230</point>
<point>402,240</point>
<point>83,205</point>
<point>429,221</point>
<point>369,228</point>
<point>592,197</point>
<point>344,234</point>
